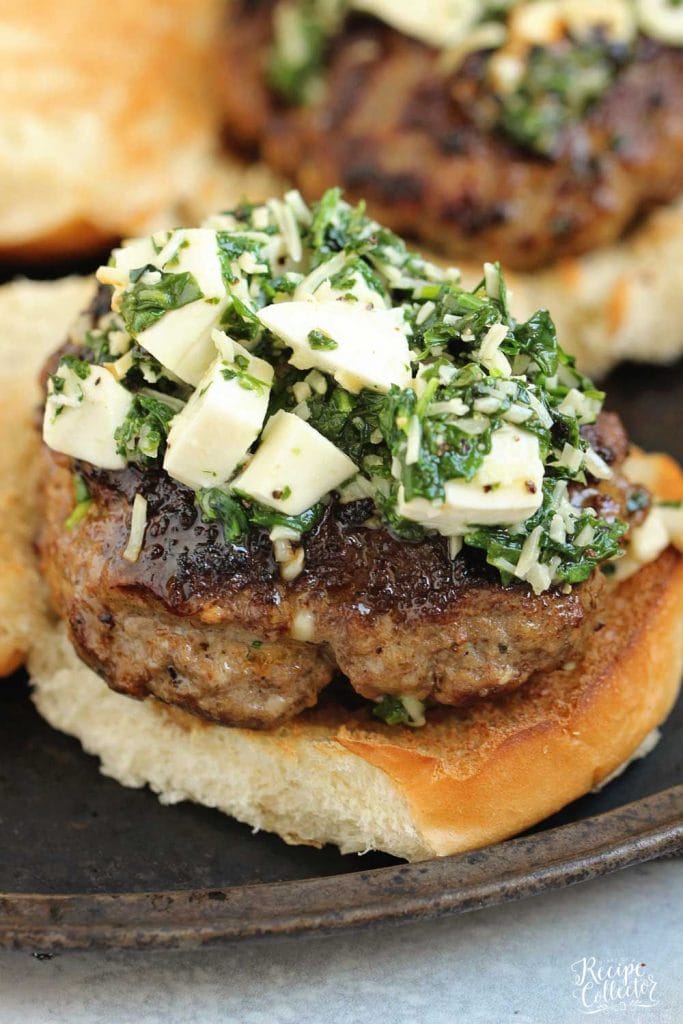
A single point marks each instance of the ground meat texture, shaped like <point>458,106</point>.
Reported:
<point>392,130</point>
<point>211,627</point>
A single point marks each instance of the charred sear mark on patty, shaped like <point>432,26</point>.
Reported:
<point>394,131</point>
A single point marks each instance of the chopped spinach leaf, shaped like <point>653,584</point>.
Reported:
<point>142,305</point>
<point>217,505</point>
<point>391,710</point>
<point>142,435</point>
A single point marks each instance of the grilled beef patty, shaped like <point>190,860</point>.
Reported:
<point>390,128</point>
<point>210,626</point>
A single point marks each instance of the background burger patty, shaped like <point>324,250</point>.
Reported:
<point>210,626</point>
<point>389,130</point>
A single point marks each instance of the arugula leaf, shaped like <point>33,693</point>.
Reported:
<point>536,338</point>
<point>239,321</point>
<point>349,421</point>
<point>237,512</point>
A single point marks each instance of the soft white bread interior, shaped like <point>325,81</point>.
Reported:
<point>468,778</point>
<point>34,318</point>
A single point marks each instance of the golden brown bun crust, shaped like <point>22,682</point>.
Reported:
<point>68,241</point>
<point>109,123</point>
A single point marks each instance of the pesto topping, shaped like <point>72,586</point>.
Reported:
<point>556,88</point>
<point>83,501</point>
<point>152,293</point>
<point>463,422</point>
<point>547,61</point>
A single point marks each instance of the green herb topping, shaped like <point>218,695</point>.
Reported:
<point>144,301</point>
<point>431,452</point>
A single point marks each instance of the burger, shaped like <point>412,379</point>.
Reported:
<point>342,547</point>
<point>543,133</point>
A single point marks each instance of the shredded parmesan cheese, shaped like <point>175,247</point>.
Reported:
<point>138,525</point>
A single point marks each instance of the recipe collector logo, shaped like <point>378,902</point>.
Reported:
<point>603,986</point>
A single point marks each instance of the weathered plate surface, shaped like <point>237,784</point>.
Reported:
<point>84,862</point>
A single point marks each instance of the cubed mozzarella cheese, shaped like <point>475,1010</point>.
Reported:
<point>317,284</point>
<point>222,419</point>
<point>84,428</point>
<point>647,541</point>
<point>363,293</point>
<point>507,489</point>
<point>369,346</point>
<point>294,466</point>
<point>195,250</point>
<point>181,338</point>
<point>133,254</point>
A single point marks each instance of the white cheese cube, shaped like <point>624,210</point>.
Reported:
<point>84,428</point>
<point>647,541</point>
<point>507,489</point>
<point>195,250</point>
<point>438,23</point>
<point>133,254</point>
<point>221,421</point>
<point>181,338</point>
<point>368,348</point>
<point>317,285</point>
<point>294,466</point>
<point>364,294</point>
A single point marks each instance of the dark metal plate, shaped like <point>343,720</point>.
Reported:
<point>84,862</point>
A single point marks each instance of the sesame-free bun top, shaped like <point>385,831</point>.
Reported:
<point>107,123</point>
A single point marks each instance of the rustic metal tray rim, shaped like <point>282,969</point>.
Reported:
<point>562,856</point>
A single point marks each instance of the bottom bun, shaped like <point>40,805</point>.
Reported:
<point>468,778</point>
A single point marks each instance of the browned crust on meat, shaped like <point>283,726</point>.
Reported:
<point>389,132</point>
<point>211,627</point>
